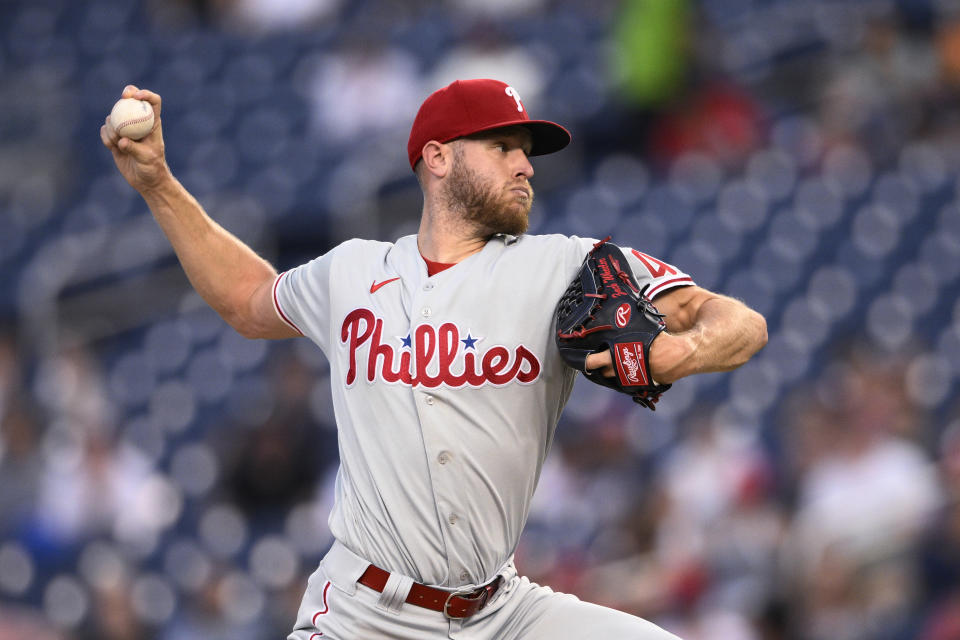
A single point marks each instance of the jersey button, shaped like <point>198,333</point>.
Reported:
<point>428,286</point>
<point>426,312</point>
<point>444,457</point>
<point>429,400</point>
<point>452,518</point>
<point>464,576</point>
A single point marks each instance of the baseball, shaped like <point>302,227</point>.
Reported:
<point>132,118</point>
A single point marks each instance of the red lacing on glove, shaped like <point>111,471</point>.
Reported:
<point>625,277</point>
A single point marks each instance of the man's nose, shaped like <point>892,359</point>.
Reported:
<point>523,166</point>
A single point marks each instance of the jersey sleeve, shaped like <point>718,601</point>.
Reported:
<point>654,275</point>
<point>302,299</point>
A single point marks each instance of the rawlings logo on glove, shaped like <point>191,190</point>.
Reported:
<point>592,316</point>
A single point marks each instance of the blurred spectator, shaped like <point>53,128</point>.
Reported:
<point>581,494</point>
<point>486,52</point>
<point>950,459</point>
<point>349,86</point>
<point>93,486</point>
<point>870,468</point>
<point>496,9</point>
<point>877,96</point>
<point>647,69</point>
<point>670,96</point>
<point>715,117</point>
<point>92,483</point>
<point>940,549</point>
<point>863,503</point>
<point>179,13</point>
<point>17,623</point>
<point>113,616</point>
<point>273,466</point>
<point>227,607</point>
<point>20,433</point>
<point>948,51</point>
<point>11,377</point>
<point>637,581</point>
<point>721,530</point>
<point>940,557</point>
<point>944,123</point>
<point>265,16</point>
<point>21,466</point>
<point>69,385</point>
<point>650,51</point>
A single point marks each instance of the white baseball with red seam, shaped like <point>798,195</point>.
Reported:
<point>132,118</point>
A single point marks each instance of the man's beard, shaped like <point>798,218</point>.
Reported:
<point>488,211</point>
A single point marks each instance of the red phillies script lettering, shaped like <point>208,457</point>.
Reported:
<point>439,349</point>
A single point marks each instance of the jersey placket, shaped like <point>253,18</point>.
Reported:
<point>441,455</point>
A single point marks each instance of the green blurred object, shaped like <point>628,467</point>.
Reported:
<point>650,52</point>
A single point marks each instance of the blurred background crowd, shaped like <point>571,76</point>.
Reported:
<point>161,477</point>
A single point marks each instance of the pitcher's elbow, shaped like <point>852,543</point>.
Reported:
<point>760,331</point>
<point>243,324</point>
<point>248,331</point>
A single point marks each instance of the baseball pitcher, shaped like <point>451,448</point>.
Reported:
<point>447,378</point>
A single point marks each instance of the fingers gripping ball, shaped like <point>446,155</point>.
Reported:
<point>132,118</point>
<point>602,309</point>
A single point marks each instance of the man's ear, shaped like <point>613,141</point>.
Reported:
<point>436,158</point>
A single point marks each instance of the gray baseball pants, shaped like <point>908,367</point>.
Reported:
<point>335,607</point>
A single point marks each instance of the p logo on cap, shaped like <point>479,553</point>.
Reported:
<point>465,107</point>
<point>510,91</point>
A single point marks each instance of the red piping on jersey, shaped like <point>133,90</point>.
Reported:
<point>652,292</point>
<point>276,304</point>
<point>326,608</point>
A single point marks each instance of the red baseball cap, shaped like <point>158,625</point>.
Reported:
<point>465,107</point>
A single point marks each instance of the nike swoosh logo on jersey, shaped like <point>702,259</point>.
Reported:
<point>376,285</point>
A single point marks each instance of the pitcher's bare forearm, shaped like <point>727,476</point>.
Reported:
<point>723,334</point>
<point>226,273</point>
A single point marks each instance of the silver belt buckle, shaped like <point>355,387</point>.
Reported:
<point>483,594</point>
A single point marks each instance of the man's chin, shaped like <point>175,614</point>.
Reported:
<point>513,227</point>
<point>510,217</point>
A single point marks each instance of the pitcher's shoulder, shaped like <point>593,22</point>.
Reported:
<point>555,244</point>
<point>362,245</point>
<point>358,250</point>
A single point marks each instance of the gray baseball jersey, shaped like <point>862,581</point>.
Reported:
<point>447,390</point>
